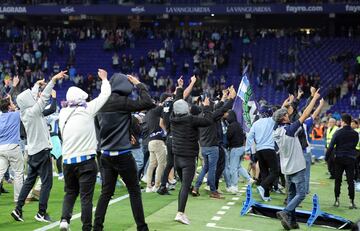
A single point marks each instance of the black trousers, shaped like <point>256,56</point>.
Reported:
<point>281,178</point>
<point>59,164</point>
<point>125,166</point>
<point>357,167</point>
<point>344,164</point>
<point>39,165</point>
<point>185,168</point>
<point>220,166</point>
<point>79,178</point>
<point>269,168</point>
<point>331,165</point>
<point>169,161</point>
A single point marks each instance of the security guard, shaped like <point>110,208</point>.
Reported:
<point>331,129</point>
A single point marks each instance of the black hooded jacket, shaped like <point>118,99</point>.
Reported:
<point>234,134</point>
<point>209,134</point>
<point>185,132</point>
<point>113,121</point>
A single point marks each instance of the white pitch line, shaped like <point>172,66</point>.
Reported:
<point>78,215</point>
<point>221,212</point>
<point>230,203</point>
<point>225,207</point>
<point>216,218</point>
<point>235,198</point>
<point>242,191</point>
<point>213,225</point>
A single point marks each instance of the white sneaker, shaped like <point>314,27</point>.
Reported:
<point>261,191</point>
<point>173,181</point>
<point>155,189</point>
<point>64,226</point>
<point>234,189</point>
<point>205,180</point>
<point>61,177</point>
<point>143,179</point>
<point>207,188</point>
<point>149,189</point>
<point>182,218</point>
<point>251,181</point>
<point>228,189</point>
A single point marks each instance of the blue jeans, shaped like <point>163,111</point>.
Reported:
<point>236,168</point>
<point>296,192</point>
<point>307,171</point>
<point>211,156</point>
<point>139,158</point>
<point>227,168</point>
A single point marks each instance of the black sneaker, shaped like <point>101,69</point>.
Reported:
<point>352,205</point>
<point>195,192</point>
<point>17,215</point>
<point>2,190</point>
<point>294,225</point>
<point>285,221</point>
<point>163,191</point>
<point>43,217</point>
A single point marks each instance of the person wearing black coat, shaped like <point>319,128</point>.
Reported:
<point>113,123</point>
<point>185,147</point>
<point>236,141</point>
<point>210,148</point>
<point>344,144</point>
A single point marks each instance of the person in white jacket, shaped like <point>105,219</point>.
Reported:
<point>77,129</point>
<point>39,146</point>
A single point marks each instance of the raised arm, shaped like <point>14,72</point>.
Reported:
<point>144,102</point>
<point>188,90</point>
<point>309,108</point>
<point>52,108</point>
<point>206,120</point>
<point>36,87</point>
<point>318,109</point>
<point>288,101</point>
<point>96,104</point>
<point>40,105</point>
<point>218,113</point>
<point>15,83</point>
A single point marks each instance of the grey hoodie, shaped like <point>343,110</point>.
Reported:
<point>38,136</point>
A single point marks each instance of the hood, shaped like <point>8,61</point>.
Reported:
<point>120,84</point>
<point>25,100</point>
<point>181,107</point>
<point>231,117</point>
<point>76,94</point>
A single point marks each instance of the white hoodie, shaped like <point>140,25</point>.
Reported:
<point>31,113</point>
<point>78,135</point>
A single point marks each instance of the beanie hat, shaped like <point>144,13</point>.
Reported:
<point>181,107</point>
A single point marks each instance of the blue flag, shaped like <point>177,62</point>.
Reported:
<point>245,105</point>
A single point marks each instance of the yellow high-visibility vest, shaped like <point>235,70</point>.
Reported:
<point>329,134</point>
